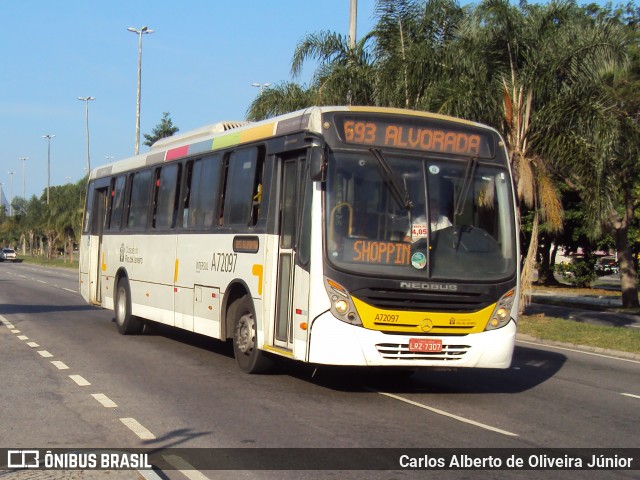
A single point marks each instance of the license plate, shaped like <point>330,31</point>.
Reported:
<point>425,345</point>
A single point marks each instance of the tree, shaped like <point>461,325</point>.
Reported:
<point>544,65</point>
<point>32,222</point>
<point>597,143</point>
<point>279,99</point>
<point>164,129</point>
<point>411,43</point>
<point>345,74</point>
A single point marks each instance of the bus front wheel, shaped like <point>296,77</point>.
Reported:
<point>249,358</point>
<point>127,323</point>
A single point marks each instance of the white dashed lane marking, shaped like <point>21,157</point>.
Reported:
<point>184,467</point>
<point>131,423</point>
<point>80,380</point>
<point>104,400</point>
<point>138,429</point>
<point>450,415</point>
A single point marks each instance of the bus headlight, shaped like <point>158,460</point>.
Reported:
<point>342,306</point>
<point>501,314</point>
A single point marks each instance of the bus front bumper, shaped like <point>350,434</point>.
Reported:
<point>334,342</point>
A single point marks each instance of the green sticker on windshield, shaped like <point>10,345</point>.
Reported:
<point>418,260</point>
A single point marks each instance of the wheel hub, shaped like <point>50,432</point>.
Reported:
<point>245,333</point>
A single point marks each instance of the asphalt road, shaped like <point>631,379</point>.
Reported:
<point>67,379</point>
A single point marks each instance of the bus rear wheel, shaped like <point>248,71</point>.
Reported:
<point>127,323</point>
<point>249,358</point>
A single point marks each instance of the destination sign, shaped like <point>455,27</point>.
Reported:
<point>379,253</point>
<point>430,136</point>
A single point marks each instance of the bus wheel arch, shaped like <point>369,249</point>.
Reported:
<point>235,291</point>
<point>127,323</point>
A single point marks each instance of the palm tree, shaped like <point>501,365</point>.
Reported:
<point>281,98</point>
<point>545,65</point>
<point>411,42</point>
<point>344,74</point>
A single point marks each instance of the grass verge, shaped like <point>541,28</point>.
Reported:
<point>45,262</point>
<point>567,331</point>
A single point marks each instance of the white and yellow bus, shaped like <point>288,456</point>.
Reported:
<point>332,235</point>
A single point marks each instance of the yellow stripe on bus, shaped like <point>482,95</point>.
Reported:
<point>258,271</point>
<point>422,322</point>
<point>399,111</point>
<point>279,351</point>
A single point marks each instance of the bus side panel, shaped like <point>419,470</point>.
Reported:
<point>150,262</point>
<point>191,260</point>
<point>207,265</point>
<point>206,311</point>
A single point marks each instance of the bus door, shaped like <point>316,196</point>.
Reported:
<point>292,293</point>
<point>98,212</point>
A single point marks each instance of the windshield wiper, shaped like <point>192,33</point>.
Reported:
<point>398,189</point>
<point>458,205</point>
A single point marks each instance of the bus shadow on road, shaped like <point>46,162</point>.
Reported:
<point>188,338</point>
<point>530,367</point>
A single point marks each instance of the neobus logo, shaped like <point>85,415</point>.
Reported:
<point>442,287</point>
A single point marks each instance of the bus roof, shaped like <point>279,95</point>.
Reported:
<point>229,133</point>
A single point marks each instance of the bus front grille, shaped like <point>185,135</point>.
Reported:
<point>391,299</point>
<point>400,351</point>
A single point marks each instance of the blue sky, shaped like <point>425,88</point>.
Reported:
<point>199,65</point>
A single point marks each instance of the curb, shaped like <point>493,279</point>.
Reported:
<point>584,348</point>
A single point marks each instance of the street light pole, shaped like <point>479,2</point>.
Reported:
<point>24,162</point>
<point>143,30</point>
<point>10,192</point>
<point>48,136</point>
<point>86,103</point>
<point>261,86</point>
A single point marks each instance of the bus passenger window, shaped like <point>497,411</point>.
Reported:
<point>139,201</point>
<point>244,170</point>
<point>166,197</point>
<point>201,204</point>
<point>116,203</point>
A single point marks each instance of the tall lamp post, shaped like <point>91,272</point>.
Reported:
<point>24,162</point>
<point>48,136</point>
<point>10,192</point>
<point>140,32</point>
<point>86,109</point>
<point>261,86</point>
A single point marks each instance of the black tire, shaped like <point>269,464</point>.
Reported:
<point>127,323</point>
<point>248,357</point>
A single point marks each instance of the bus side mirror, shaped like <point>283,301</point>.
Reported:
<point>317,162</point>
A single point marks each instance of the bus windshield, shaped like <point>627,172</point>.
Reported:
<point>399,215</point>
